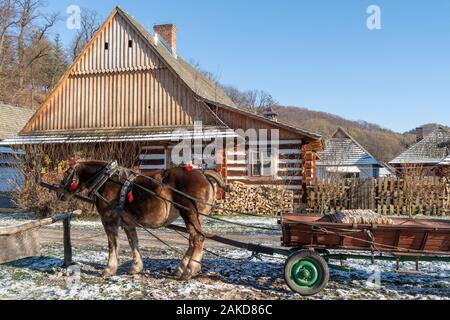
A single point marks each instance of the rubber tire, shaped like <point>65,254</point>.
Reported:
<point>319,262</point>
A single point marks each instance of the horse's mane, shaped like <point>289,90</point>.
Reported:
<point>92,162</point>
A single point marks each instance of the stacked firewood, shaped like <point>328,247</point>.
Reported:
<point>263,200</point>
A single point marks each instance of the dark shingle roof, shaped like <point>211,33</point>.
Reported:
<point>430,150</point>
<point>343,150</point>
<point>12,119</point>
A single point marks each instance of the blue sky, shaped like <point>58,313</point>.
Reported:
<point>315,54</point>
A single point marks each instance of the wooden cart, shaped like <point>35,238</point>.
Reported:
<point>310,239</point>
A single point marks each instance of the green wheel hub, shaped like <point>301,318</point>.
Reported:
<point>306,273</point>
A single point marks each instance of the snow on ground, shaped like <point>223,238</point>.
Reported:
<point>221,278</point>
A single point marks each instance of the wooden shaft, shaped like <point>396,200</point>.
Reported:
<point>67,243</point>
<point>7,231</point>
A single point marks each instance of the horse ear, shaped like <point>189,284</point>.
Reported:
<point>72,161</point>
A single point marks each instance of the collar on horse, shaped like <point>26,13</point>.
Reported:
<point>111,169</point>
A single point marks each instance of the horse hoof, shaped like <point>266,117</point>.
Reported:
<point>134,272</point>
<point>189,274</point>
<point>136,268</point>
<point>178,272</point>
<point>185,277</point>
<point>108,274</point>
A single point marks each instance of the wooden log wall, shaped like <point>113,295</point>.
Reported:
<point>388,195</point>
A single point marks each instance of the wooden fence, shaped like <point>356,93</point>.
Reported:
<point>390,195</point>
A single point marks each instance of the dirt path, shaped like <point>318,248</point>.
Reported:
<point>97,237</point>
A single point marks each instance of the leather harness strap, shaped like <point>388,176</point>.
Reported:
<point>108,172</point>
<point>128,184</point>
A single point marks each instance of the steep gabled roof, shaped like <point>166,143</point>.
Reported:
<point>12,119</point>
<point>343,150</point>
<point>429,150</point>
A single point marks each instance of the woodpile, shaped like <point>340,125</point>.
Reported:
<point>263,200</point>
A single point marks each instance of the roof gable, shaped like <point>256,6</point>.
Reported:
<point>429,150</point>
<point>121,87</point>
<point>343,150</point>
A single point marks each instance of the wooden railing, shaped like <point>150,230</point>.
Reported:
<point>410,195</point>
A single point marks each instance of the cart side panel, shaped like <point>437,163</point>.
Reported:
<point>438,241</point>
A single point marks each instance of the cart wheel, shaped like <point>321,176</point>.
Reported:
<point>306,272</point>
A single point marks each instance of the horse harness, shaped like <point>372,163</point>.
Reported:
<point>105,175</point>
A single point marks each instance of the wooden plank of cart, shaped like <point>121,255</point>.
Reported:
<point>310,239</point>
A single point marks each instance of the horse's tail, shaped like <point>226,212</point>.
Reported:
<point>212,175</point>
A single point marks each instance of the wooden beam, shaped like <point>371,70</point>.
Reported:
<point>8,231</point>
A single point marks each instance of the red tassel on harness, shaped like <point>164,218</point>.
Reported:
<point>189,168</point>
<point>130,197</point>
<point>74,186</point>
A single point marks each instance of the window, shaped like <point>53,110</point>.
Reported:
<point>130,43</point>
<point>106,45</point>
<point>153,158</point>
<point>262,163</point>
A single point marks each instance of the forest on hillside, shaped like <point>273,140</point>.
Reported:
<point>33,59</point>
<point>32,56</point>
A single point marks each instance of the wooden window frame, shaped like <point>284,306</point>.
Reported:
<point>273,165</point>
<point>165,165</point>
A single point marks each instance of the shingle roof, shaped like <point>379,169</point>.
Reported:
<point>194,79</point>
<point>12,119</point>
<point>430,150</point>
<point>343,150</point>
<point>281,124</point>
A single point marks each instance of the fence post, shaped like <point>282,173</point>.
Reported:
<point>67,243</point>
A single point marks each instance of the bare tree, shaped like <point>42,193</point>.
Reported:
<point>256,101</point>
<point>30,44</point>
<point>90,22</point>
<point>8,19</point>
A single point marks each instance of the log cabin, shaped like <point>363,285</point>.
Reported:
<point>130,87</point>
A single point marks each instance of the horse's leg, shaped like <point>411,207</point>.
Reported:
<point>196,241</point>
<point>111,225</point>
<point>134,244</point>
<point>180,270</point>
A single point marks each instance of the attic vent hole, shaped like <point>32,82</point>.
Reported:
<point>130,43</point>
<point>106,45</point>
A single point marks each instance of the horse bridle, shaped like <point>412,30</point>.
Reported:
<point>71,181</point>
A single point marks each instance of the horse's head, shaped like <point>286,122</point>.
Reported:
<point>69,184</point>
<point>78,177</point>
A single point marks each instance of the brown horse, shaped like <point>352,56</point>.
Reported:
<point>153,208</point>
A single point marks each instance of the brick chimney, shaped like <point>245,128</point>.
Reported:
<point>419,134</point>
<point>169,33</point>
